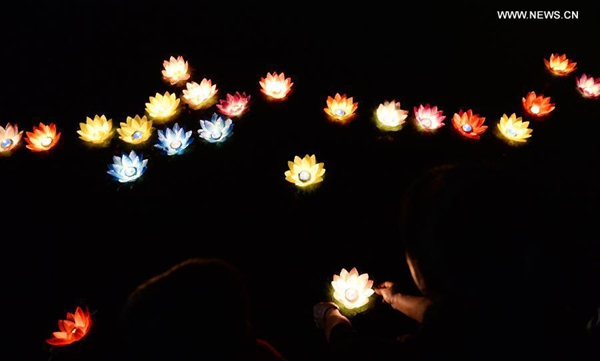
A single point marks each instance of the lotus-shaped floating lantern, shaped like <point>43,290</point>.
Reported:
<point>162,107</point>
<point>234,105</point>
<point>588,86</point>
<point>390,116</point>
<point>128,167</point>
<point>514,129</point>
<point>175,70</point>
<point>537,105</point>
<point>468,124</point>
<point>174,140</point>
<point>560,65</point>
<point>215,130</point>
<point>200,96</point>
<point>42,138</point>
<point>10,137</point>
<point>340,108</point>
<point>74,328</point>
<point>96,131</point>
<point>135,130</point>
<point>275,86</point>
<point>352,289</point>
<point>304,172</point>
<point>429,118</point>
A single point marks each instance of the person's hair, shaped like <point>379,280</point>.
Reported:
<point>459,224</point>
<point>196,310</point>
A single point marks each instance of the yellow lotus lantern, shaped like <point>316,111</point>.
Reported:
<point>162,107</point>
<point>96,131</point>
<point>175,70</point>
<point>340,108</point>
<point>514,129</point>
<point>200,96</point>
<point>304,172</point>
<point>390,116</point>
<point>352,289</point>
<point>135,130</point>
<point>276,86</point>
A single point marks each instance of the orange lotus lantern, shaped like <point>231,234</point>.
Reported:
<point>10,137</point>
<point>588,86</point>
<point>340,108</point>
<point>468,124</point>
<point>275,86</point>
<point>74,328</point>
<point>175,70</point>
<point>537,105</point>
<point>200,96</point>
<point>560,65</point>
<point>42,138</point>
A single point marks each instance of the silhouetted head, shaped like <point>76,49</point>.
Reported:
<point>462,226</point>
<point>197,310</point>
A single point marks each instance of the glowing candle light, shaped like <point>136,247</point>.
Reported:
<point>97,131</point>
<point>340,108</point>
<point>74,328</point>
<point>352,289</point>
<point>560,65</point>
<point>175,70</point>
<point>537,105</point>
<point>135,130</point>
<point>468,124</point>
<point>276,86</point>
<point>234,105</point>
<point>10,137</point>
<point>44,137</point>
<point>390,116</point>
<point>429,118</point>
<point>304,172</point>
<point>199,96</point>
<point>215,130</point>
<point>174,140</point>
<point>514,129</point>
<point>588,86</point>
<point>162,107</point>
<point>128,167</point>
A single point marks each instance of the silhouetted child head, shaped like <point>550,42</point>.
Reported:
<point>197,310</point>
<point>462,227</point>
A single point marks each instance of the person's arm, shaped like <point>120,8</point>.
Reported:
<point>412,306</point>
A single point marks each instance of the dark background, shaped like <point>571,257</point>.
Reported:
<point>73,236</point>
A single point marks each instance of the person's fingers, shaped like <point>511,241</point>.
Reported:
<point>386,284</point>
